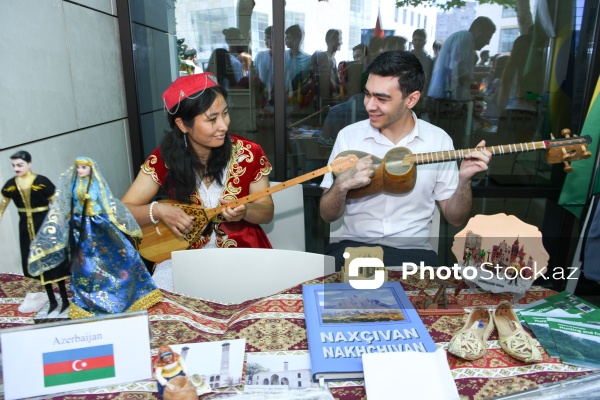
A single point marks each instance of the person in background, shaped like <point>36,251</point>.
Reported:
<point>241,61</point>
<point>263,64</point>
<point>435,47</point>
<point>325,67</point>
<point>360,54</point>
<point>297,67</point>
<point>400,223</point>
<point>219,64</point>
<point>32,194</point>
<point>189,62</point>
<point>453,71</point>
<point>419,40</point>
<point>484,58</point>
<point>391,43</point>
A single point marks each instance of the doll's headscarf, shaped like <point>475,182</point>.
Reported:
<point>50,246</point>
<point>164,351</point>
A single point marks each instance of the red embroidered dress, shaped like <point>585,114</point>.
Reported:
<point>248,164</point>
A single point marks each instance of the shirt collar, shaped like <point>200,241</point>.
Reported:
<point>379,138</point>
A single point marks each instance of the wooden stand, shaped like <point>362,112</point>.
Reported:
<point>427,305</point>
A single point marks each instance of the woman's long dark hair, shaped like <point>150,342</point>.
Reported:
<point>183,162</point>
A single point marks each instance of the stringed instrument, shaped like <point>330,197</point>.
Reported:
<point>158,241</point>
<point>397,172</point>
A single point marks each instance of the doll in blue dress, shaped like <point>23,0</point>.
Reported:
<point>86,220</point>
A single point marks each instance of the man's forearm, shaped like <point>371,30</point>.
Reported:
<point>459,205</point>
<point>332,203</point>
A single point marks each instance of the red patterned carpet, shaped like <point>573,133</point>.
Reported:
<point>276,323</point>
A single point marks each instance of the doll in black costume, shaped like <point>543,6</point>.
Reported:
<point>32,194</point>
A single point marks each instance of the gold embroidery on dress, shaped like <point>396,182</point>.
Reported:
<point>149,170</point>
<point>147,301</point>
<point>35,188</point>
<point>76,312</point>
<point>267,167</point>
<point>11,189</point>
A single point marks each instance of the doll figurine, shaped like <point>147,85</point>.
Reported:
<point>32,194</point>
<point>107,274</point>
<point>168,366</point>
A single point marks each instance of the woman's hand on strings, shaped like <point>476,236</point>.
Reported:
<point>175,218</point>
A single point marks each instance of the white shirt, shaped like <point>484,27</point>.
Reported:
<point>404,220</point>
<point>455,61</point>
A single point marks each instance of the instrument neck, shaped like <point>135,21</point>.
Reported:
<point>211,212</point>
<point>451,155</point>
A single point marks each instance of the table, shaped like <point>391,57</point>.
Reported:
<point>276,323</point>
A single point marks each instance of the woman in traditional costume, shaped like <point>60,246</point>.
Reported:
<point>199,162</point>
<point>32,194</point>
<point>107,275</point>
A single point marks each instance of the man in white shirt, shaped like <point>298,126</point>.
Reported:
<point>453,71</point>
<point>400,223</point>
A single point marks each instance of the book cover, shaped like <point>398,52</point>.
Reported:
<point>538,324</point>
<point>565,301</point>
<point>577,343</point>
<point>343,323</point>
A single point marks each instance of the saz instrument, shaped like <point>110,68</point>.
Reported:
<point>397,172</point>
<point>158,241</point>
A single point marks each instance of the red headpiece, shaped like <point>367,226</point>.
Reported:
<point>188,86</point>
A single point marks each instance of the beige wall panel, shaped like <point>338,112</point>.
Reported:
<point>96,68</point>
<point>107,6</point>
<point>35,77</point>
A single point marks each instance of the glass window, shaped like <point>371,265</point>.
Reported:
<point>509,12</point>
<point>507,38</point>
<point>510,98</point>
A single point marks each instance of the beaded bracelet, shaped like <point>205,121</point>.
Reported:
<point>154,221</point>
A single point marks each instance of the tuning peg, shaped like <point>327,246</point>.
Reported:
<point>585,153</point>
<point>566,133</point>
<point>568,168</point>
<point>566,156</point>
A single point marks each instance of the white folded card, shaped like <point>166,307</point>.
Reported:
<point>410,375</point>
<point>44,359</point>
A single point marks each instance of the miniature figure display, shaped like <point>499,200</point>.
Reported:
<point>32,194</point>
<point>107,274</point>
<point>168,366</point>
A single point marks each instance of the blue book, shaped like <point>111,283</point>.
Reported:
<point>343,323</point>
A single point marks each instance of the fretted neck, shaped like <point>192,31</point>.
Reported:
<point>451,155</point>
<point>211,212</point>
